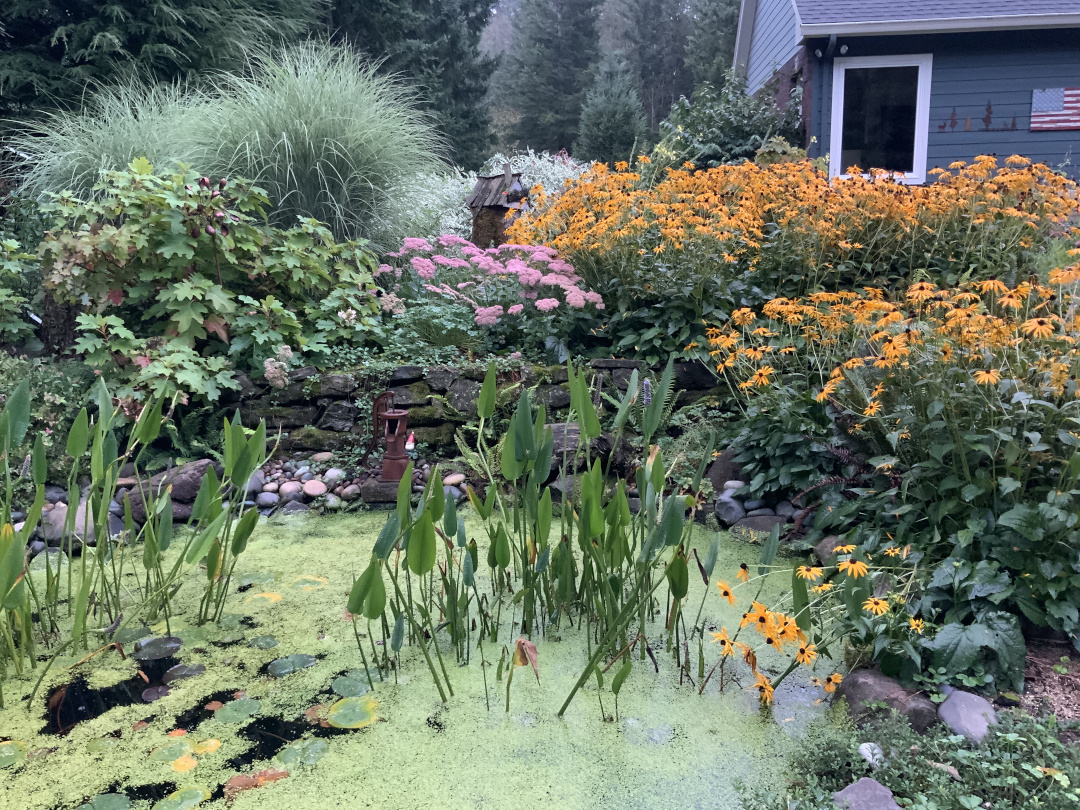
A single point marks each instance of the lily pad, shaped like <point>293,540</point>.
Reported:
<point>185,763</point>
<point>266,597</point>
<point>172,627</point>
<point>192,635</point>
<point>351,684</point>
<point>102,745</point>
<point>237,711</point>
<point>154,649</point>
<point>264,642</point>
<point>183,799</point>
<point>309,582</point>
<point>255,578</point>
<point>154,693</point>
<point>107,801</point>
<point>206,746</point>
<point>127,635</point>
<point>232,637</point>
<point>12,753</point>
<point>281,667</point>
<point>230,621</point>
<point>171,750</point>
<point>181,671</point>
<point>352,712</point>
<point>302,752</point>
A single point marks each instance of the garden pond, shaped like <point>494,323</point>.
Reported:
<point>276,691</point>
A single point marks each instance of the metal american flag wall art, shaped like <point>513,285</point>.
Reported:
<point>1056,108</point>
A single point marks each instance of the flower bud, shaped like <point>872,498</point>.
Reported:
<point>221,183</point>
<point>210,230</point>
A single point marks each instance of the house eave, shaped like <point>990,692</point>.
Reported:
<point>939,26</point>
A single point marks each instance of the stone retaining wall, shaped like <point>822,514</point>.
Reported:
<point>319,411</point>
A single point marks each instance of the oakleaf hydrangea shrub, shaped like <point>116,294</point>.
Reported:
<point>521,297</point>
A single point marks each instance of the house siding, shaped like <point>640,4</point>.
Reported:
<point>980,92</point>
<point>775,40</point>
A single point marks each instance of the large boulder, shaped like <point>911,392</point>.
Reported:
<point>463,395</point>
<point>866,794</point>
<point>968,714</point>
<point>723,469</point>
<point>728,510</point>
<point>185,482</point>
<point>864,687</point>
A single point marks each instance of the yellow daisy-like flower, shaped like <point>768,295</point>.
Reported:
<point>876,606</point>
<point>1038,327</point>
<point>765,689</point>
<point>723,640</point>
<point>832,682</point>
<point>808,573</point>
<point>916,625</point>
<point>990,376</point>
<point>892,551</point>
<point>843,549</point>
<point>853,568</point>
<point>744,573</point>
<point>823,587</point>
<point>872,408</point>
<point>806,654</point>
<point>725,591</point>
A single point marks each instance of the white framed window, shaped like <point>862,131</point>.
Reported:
<point>881,114</point>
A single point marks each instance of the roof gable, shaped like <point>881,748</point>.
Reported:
<point>823,17</point>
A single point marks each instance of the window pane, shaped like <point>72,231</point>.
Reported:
<point>879,118</point>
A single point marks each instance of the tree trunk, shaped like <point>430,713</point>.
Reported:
<point>58,325</point>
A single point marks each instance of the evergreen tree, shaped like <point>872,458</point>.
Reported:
<point>655,35</point>
<point>51,50</point>
<point>710,46</point>
<point>547,71</point>
<point>612,119</point>
<point>434,44</point>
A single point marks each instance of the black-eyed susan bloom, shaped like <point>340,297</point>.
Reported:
<point>809,573</point>
<point>807,654</point>
<point>744,573</point>
<point>725,591</point>
<point>853,568</point>
<point>916,625</point>
<point>833,681</point>
<point>876,606</point>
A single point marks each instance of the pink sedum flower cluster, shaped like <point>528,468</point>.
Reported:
<point>509,281</point>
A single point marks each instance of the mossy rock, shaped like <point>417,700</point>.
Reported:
<point>438,436</point>
<point>426,415</point>
<point>313,438</point>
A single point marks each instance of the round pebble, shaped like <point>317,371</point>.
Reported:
<point>314,488</point>
<point>454,479</point>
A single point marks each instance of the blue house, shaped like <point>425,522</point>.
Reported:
<point>908,85</point>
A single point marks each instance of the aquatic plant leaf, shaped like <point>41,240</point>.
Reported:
<point>231,638</point>
<point>678,576</point>
<point>154,649</point>
<point>281,667</point>
<point>263,642</point>
<point>243,531</point>
<point>184,764</point>
<point>352,712</point>
<point>206,746</point>
<point>265,597</point>
<point>101,745</point>
<point>12,753</point>
<point>183,799</point>
<point>388,536</point>
<point>181,671</point>
<point>255,578</point>
<point>621,675</point>
<point>243,781</point>
<point>768,551</point>
<point>351,684</point>
<point>309,582</point>
<point>79,435</point>
<point>398,635</point>
<point>485,404</point>
<point>301,752</point>
<point>107,801</point>
<point>420,556</point>
<point>154,693</point>
<point>237,711</point>
<point>171,750</point>
<point>525,653</point>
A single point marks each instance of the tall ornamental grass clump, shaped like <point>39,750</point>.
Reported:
<point>314,125</point>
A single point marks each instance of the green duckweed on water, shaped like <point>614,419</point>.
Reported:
<point>394,746</point>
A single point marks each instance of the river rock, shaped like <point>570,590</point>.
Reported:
<point>271,487</point>
<point>824,550</point>
<point>350,493</point>
<point>968,714</point>
<point>52,524</point>
<point>785,509</point>
<point>185,482</point>
<point>267,500</point>
<point>293,507</point>
<point>314,488</point>
<point>55,494</point>
<point>724,468</point>
<point>322,458</point>
<point>753,505</point>
<point>762,512</point>
<point>333,501</point>
<point>454,479</point>
<point>866,794</point>
<point>864,687</point>
<point>256,482</point>
<point>333,476</point>
<point>732,486</point>
<point>728,510</point>
<point>290,491</point>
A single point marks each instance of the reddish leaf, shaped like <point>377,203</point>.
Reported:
<point>525,653</point>
<point>141,360</point>
<point>116,297</point>
<point>243,781</point>
<point>217,325</point>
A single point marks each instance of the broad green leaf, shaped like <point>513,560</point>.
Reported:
<point>622,674</point>
<point>678,576</point>
<point>388,536</point>
<point>502,547</point>
<point>202,542</point>
<point>420,556</point>
<point>244,527</point>
<point>485,406</point>
<point>79,435</point>
<point>40,464</point>
<point>17,411</point>
<point>768,551</point>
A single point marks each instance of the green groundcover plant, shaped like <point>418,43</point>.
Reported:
<point>183,281</point>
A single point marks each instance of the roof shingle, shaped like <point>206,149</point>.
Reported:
<point>823,12</point>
